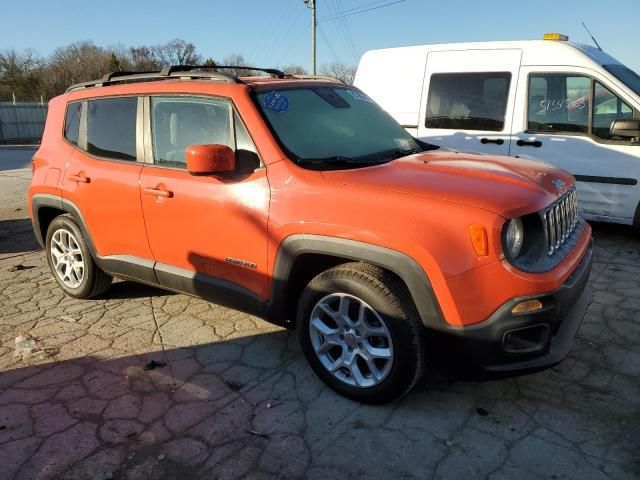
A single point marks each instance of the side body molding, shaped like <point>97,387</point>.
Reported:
<point>405,267</point>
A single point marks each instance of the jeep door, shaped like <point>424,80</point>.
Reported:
<point>565,120</point>
<point>101,176</point>
<point>468,98</point>
<point>208,233</point>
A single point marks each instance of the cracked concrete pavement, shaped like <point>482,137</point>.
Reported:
<point>236,398</point>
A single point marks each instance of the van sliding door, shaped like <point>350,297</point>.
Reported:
<point>468,98</point>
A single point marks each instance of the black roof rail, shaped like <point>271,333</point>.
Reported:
<point>192,71</point>
<point>271,71</point>
<point>111,75</point>
<point>316,77</point>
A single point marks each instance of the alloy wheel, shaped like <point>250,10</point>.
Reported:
<point>67,259</point>
<point>351,340</point>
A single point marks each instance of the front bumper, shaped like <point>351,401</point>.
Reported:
<point>508,342</point>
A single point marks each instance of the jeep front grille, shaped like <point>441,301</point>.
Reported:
<point>560,219</point>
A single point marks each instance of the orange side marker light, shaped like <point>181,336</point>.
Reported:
<point>479,240</point>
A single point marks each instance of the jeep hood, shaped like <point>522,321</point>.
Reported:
<point>503,185</point>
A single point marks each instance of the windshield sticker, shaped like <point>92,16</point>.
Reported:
<point>360,96</point>
<point>276,102</point>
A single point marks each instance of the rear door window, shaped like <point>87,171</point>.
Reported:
<point>111,127</point>
<point>468,101</point>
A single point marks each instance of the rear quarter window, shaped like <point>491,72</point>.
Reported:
<point>72,122</point>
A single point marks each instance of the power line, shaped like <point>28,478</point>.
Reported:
<point>341,28</point>
<point>343,14</point>
<point>352,42</point>
<point>326,39</point>
<point>342,11</point>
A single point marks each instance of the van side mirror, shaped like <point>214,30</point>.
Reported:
<point>626,128</point>
<point>209,159</point>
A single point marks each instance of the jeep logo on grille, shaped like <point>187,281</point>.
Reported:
<point>559,184</point>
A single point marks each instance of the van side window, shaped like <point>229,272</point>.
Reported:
<point>558,103</point>
<point>72,122</point>
<point>607,107</point>
<point>178,122</point>
<point>111,127</point>
<point>468,101</point>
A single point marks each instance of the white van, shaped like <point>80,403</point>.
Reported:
<point>569,104</point>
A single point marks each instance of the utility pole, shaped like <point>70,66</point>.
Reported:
<point>312,5</point>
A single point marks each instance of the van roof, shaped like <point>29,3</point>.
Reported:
<point>534,52</point>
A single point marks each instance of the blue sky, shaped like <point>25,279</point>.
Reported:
<point>277,32</point>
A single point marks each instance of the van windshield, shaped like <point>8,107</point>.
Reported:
<point>333,125</point>
<point>627,76</point>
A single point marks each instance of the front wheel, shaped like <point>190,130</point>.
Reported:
<point>361,333</point>
<point>71,262</point>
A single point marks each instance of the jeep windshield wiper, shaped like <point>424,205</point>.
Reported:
<point>340,160</point>
<point>404,153</point>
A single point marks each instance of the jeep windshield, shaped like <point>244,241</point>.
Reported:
<point>333,127</point>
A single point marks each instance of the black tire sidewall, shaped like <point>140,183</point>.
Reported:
<point>85,289</point>
<point>398,319</point>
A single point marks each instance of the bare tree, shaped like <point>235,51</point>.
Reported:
<point>235,60</point>
<point>20,75</point>
<point>176,52</point>
<point>143,59</point>
<point>294,70</point>
<point>339,70</point>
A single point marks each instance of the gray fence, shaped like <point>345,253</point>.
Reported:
<point>21,122</point>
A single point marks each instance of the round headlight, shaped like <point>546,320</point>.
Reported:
<point>514,237</point>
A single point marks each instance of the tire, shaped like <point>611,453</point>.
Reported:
<point>65,241</point>
<point>391,328</point>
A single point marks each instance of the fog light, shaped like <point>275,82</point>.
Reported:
<point>527,339</point>
<point>527,307</point>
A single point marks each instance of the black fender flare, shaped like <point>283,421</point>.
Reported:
<point>405,267</point>
<point>40,200</point>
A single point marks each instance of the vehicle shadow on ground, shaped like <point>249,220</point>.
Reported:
<point>126,289</point>
<point>196,408</point>
<point>16,236</point>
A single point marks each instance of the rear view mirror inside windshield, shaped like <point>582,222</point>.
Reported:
<point>330,96</point>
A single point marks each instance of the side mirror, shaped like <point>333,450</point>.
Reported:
<point>626,128</point>
<point>209,159</point>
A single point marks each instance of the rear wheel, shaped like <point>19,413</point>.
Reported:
<point>361,333</point>
<point>71,262</point>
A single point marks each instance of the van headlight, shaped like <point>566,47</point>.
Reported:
<point>513,238</point>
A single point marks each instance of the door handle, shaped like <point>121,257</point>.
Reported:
<point>534,143</point>
<point>79,178</point>
<point>158,192</point>
<point>497,141</point>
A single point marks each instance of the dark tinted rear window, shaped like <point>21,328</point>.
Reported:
<point>111,128</point>
<point>468,101</point>
<point>72,122</point>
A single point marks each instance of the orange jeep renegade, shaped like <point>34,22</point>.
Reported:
<point>301,201</point>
